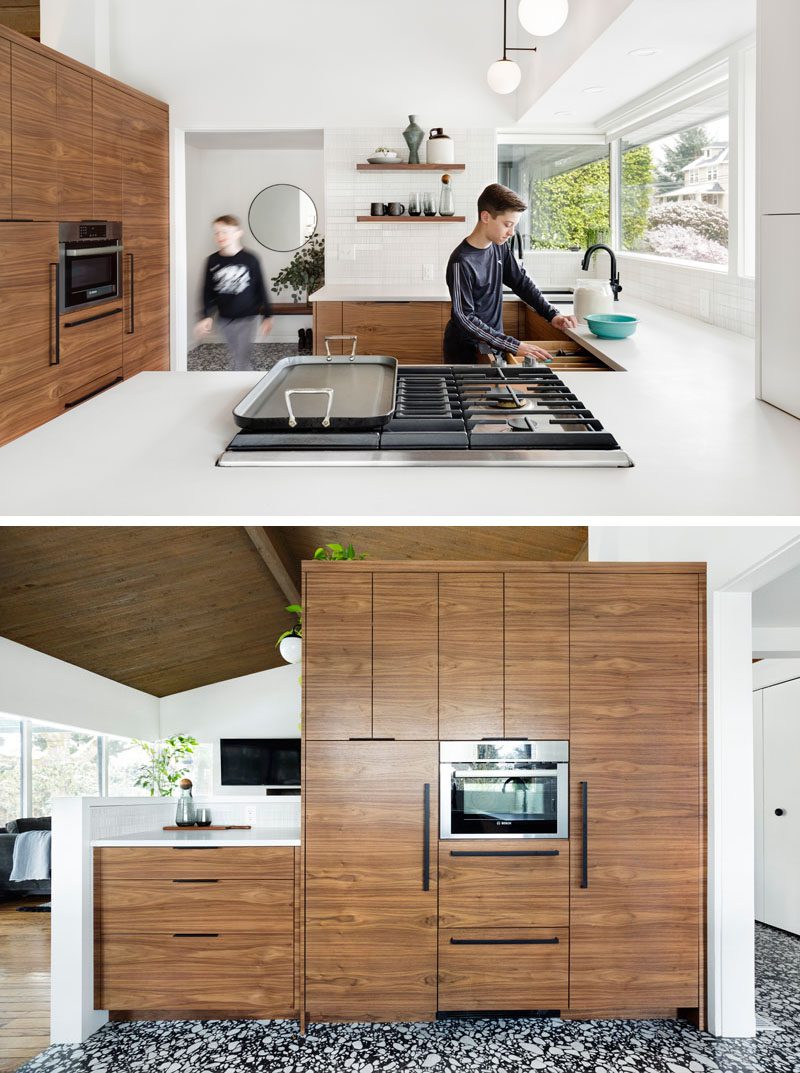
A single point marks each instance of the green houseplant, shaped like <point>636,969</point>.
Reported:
<point>305,272</point>
<point>335,553</point>
<point>166,763</point>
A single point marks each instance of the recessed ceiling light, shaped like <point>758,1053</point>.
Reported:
<point>594,89</point>
<point>644,52</point>
<point>563,115</point>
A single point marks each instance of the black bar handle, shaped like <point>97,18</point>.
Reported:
<point>495,737</point>
<point>505,942</point>
<point>195,881</point>
<point>91,394</point>
<point>55,355</point>
<point>132,299</point>
<point>95,316</point>
<point>196,847</point>
<point>371,739</point>
<point>584,834</point>
<point>426,837</point>
<point>505,853</point>
<point>195,935</point>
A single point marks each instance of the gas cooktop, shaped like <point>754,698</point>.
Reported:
<point>453,415</point>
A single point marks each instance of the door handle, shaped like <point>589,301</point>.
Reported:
<point>132,301</point>
<point>195,935</point>
<point>505,942</point>
<point>780,811</point>
<point>505,853</point>
<point>426,837</point>
<point>95,316</point>
<point>584,834</point>
<point>195,881</point>
<point>55,296</point>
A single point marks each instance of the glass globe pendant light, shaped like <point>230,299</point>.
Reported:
<point>543,17</point>
<point>504,75</point>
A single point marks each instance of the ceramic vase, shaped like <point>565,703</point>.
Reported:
<point>413,135</point>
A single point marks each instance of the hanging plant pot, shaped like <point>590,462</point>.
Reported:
<point>291,648</point>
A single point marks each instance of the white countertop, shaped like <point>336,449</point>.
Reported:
<point>196,836</point>
<point>391,292</point>
<point>684,411</point>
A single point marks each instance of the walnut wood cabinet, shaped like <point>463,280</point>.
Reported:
<point>34,135</point>
<point>5,130</point>
<point>182,932</point>
<point>370,880</point>
<point>90,351</point>
<point>409,331</point>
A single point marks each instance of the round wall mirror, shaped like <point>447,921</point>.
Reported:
<point>282,217</point>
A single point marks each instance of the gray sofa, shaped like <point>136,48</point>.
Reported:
<point>8,836</point>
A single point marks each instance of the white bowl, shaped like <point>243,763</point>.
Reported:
<point>383,158</point>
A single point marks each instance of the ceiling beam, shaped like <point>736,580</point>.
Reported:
<point>270,546</point>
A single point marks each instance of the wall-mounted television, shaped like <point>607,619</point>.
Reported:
<point>254,762</point>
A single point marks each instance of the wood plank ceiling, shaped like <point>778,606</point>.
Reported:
<point>169,608</point>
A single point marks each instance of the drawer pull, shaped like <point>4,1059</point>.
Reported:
<point>505,853</point>
<point>194,848</point>
<point>505,942</point>
<point>195,935</point>
<point>96,316</point>
<point>195,881</point>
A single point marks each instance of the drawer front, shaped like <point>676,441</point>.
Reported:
<point>167,906</point>
<point>226,972</point>
<point>504,884</point>
<point>209,862</point>
<point>408,331</point>
<point>91,349</point>
<point>503,969</point>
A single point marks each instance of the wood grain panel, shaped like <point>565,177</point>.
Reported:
<point>470,656</point>
<point>337,656</point>
<point>34,127</point>
<point>327,321</point>
<point>405,686</point>
<point>511,318</point>
<point>636,741</point>
<point>162,609</point>
<point>146,297</point>
<point>109,108</point>
<point>164,906</point>
<point>74,144</point>
<point>164,863</point>
<point>537,656</point>
<point>503,891</point>
<point>235,971</point>
<point>408,331</point>
<point>534,326</point>
<point>24,982</point>
<point>516,976</point>
<point>5,130</point>
<point>91,349</point>
<point>145,180</point>
<point>370,926</point>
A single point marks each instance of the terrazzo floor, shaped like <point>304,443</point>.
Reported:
<point>215,357</point>
<point>465,1046</point>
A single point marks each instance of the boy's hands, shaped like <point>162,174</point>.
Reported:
<point>266,325</point>
<point>564,320</point>
<point>526,350</point>
<point>204,327</point>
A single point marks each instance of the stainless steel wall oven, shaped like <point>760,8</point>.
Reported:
<point>90,262</point>
<point>504,789</point>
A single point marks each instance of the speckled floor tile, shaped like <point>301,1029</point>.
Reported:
<point>467,1046</point>
<point>216,357</point>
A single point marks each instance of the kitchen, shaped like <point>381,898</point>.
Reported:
<point>677,397</point>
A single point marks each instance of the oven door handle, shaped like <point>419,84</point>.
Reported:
<point>92,251</point>
<point>426,836</point>
<point>584,834</point>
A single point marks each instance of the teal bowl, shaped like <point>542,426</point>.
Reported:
<point>611,325</point>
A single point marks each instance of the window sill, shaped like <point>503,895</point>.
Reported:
<point>678,262</point>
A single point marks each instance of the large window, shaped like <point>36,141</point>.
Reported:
<point>64,763</point>
<point>567,191</point>
<point>10,769</point>
<point>675,192</point>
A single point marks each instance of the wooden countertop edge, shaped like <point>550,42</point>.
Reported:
<point>496,566</point>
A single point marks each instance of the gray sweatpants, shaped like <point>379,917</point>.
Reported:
<point>239,335</point>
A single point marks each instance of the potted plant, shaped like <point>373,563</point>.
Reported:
<point>305,272</point>
<point>335,553</point>
<point>166,763</point>
<point>290,644</point>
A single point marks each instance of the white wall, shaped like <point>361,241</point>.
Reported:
<point>36,686</point>
<point>769,672</point>
<point>222,181</point>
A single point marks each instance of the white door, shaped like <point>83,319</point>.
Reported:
<point>758,785</point>
<point>779,284</point>
<point>782,806</point>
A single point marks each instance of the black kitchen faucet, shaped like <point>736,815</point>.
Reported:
<point>616,286</point>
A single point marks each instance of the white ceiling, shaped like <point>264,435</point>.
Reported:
<point>684,31</point>
<point>255,139</point>
<point>778,604</point>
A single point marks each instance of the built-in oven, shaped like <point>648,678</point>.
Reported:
<point>504,789</point>
<point>91,263</point>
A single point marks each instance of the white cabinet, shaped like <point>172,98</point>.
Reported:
<point>781,806</point>
<point>779,282</point>
<point>777,96</point>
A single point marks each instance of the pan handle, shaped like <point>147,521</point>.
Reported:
<point>353,338</point>
<point>309,391</point>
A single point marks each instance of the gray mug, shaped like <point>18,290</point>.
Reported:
<point>396,208</point>
<point>377,208</point>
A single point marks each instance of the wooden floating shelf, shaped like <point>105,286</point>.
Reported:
<point>410,167</point>
<point>292,309</point>
<point>411,219</point>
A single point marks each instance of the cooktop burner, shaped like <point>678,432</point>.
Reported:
<point>450,415</point>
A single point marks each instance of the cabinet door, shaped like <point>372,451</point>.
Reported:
<point>74,143</point>
<point>146,297</point>
<point>34,126</point>
<point>470,656</point>
<point>108,132</point>
<point>781,806</point>
<point>537,656</point>
<point>337,656</point>
<point>91,351</point>
<point>370,885</point>
<point>145,177</point>
<point>780,366</point>
<point>408,331</point>
<point>778,89</point>
<point>5,130</point>
<point>327,321</point>
<point>405,691</point>
<point>636,747</point>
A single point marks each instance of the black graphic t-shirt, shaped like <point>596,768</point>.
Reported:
<point>235,286</point>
